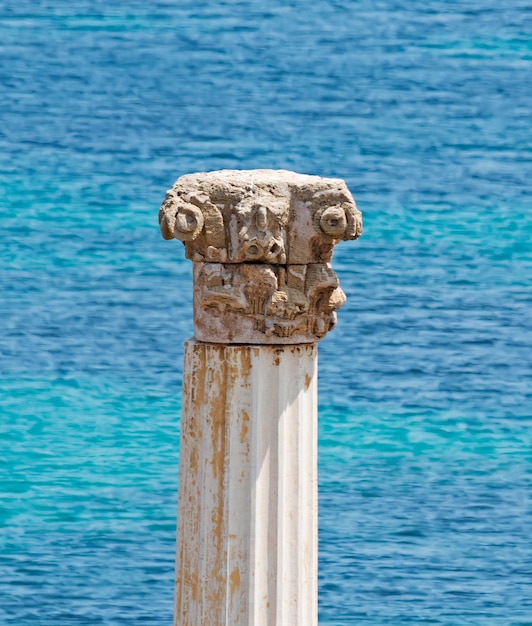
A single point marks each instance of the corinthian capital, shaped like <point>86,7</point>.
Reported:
<point>261,242</point>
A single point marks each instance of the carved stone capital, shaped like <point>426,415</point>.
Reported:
<point>261,242</point>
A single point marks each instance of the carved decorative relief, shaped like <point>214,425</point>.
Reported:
<point>258,230</point>
<point>259,299</point>
<point>261,242</point>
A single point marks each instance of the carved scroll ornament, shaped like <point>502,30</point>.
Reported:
<point>261,242</point>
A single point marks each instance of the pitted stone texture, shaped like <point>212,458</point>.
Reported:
<point>261,242</point>
<point>264,304</point>
<point>269,216</point>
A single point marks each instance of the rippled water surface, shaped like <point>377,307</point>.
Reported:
<point>426,390</point>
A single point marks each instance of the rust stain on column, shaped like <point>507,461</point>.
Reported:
<point>234,577</point>
<point>245,426</point>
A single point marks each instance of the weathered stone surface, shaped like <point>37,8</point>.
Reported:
<point>261,242</point>
<point>263,303</point>
<point>247,542</point>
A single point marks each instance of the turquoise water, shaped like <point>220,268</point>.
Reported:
<point>425,386</point>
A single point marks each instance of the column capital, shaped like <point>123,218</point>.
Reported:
<point>261,242</point>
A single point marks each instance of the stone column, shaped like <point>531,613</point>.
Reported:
<point>261,242</point>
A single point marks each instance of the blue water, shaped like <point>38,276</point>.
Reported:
<point>426,384</point>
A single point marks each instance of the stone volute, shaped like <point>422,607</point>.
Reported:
<point>261,242</point>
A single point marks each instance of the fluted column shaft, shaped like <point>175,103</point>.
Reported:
<point>247,519</point>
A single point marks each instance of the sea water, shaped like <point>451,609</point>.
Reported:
<point>425,453</point>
